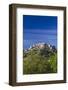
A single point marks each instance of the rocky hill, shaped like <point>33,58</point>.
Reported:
<point>40,58</point>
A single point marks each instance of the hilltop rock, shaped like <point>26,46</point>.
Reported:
<point>42,49</point>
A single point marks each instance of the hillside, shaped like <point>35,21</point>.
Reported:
<point>40,58</point>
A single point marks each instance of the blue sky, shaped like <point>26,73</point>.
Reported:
<point>39,29</point>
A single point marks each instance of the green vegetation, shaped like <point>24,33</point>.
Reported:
<point>38,61</point>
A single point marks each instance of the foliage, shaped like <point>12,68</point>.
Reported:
<point>38,61</point>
